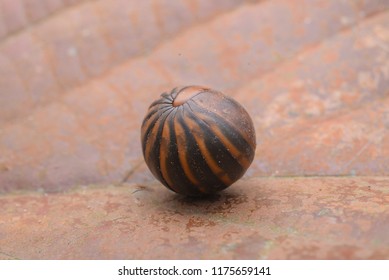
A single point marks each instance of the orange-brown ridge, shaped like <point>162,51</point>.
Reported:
<point>187,93</point>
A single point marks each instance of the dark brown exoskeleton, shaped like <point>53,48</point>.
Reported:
<point>197,141</point>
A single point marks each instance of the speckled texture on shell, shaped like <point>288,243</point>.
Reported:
<point>201,146</point>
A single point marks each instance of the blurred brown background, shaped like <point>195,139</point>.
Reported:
<point>76,78</point>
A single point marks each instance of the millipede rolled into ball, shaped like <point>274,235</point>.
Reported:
<point>197,141</point>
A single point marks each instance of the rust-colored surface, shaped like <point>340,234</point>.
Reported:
<point>77,77</point>
<point>309,218</point>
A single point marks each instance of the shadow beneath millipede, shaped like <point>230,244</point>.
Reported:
<point>221,203</point>
<point>235,200</point>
